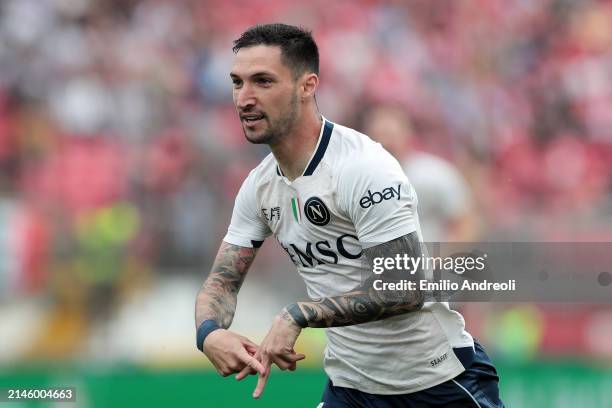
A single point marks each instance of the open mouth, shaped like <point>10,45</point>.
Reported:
<point>252,120</point>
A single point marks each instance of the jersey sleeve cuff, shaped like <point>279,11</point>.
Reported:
<point>244,241</point>
<point>389,235</point>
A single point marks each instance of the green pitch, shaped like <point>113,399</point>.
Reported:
<point>537,384</point>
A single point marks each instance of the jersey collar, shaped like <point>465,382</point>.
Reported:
<point>324,136</point>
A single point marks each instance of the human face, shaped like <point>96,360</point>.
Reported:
<point>265,94</point>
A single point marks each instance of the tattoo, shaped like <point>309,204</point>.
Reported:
<point>364,304</point>
<point>219,293</point>
<point>293,313</point>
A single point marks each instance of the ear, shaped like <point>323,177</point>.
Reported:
<point>309,85</point>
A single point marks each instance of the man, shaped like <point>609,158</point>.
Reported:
<point>335,201</point>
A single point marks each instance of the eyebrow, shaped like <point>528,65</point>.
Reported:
<point>256,74</point>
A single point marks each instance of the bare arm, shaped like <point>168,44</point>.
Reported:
<point>217,297</point>
<point>364,304</point>
<point>229,352</point>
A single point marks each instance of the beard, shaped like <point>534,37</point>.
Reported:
<point>277,128</point>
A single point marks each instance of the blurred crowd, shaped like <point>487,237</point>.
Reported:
<point>121,153</point>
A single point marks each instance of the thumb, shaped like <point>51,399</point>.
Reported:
<point>247,342</point>
<point>251,349</point>
<point>295,357</point>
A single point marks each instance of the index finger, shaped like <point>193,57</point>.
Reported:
<point>261,384</point>
<point>247,370</point>
<point>251,361</point>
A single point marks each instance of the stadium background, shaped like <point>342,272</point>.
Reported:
<point>120,155</point>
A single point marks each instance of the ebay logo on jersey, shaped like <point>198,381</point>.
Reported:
<point>373,198</point>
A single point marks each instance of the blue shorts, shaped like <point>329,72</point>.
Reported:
<point>476,387</point>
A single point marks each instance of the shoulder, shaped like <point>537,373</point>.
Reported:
<point>345,139</point>
<point>363,167</point>
<point>355,154</point>
<point>262,173</point>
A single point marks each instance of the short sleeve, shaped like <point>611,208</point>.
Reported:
<point>377,196</point>
<point>247,228</point>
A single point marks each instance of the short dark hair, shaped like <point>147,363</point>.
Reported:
<point>299,50</point>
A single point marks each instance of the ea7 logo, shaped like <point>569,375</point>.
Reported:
<point>271,214</point>
<point>373,198</point>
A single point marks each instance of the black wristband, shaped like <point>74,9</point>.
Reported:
<point>207,327</point>
<point>294,311</point>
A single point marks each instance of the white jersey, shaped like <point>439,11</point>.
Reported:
<point>352,195</point>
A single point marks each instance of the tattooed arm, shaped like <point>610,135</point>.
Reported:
<point>363,304</point>
<point>217,297</point>
<point>229,352</point>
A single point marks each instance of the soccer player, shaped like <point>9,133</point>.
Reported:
<point>335,201</point>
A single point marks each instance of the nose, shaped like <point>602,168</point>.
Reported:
<point>244,97</point>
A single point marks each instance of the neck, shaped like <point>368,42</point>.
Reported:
<point>293,151</point>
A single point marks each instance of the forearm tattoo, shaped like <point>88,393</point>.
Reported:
<point>364,304</point>
<point>218,295</point>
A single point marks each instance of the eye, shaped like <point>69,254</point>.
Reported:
<point>264,81</point>
<point>237,83</point>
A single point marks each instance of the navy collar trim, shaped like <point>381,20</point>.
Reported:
<point>328,127</point>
